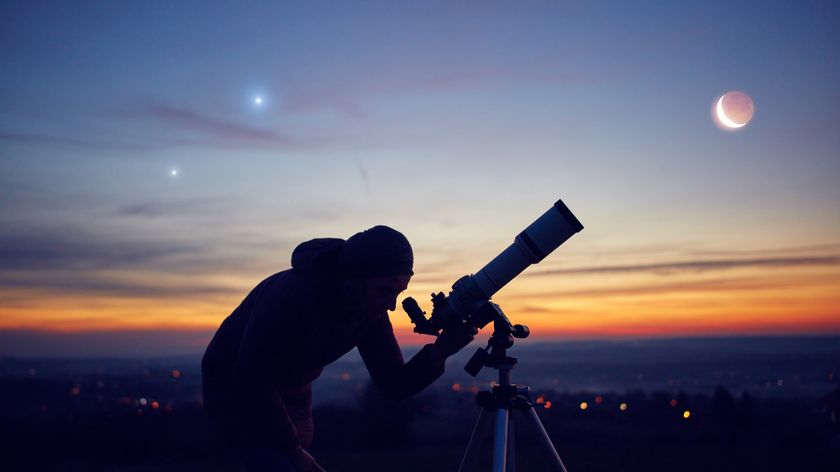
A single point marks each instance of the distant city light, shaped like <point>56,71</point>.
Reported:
<point>599,399</point>
<point>584,405</point>
<point>76,390</point>
<point>622,407</point>
<point>547,405</point>
<point>540,400</point>
<point>456,387</point>
<point>155,405</point>
<point>176,373</point>
<point>142,402</point>
<point>673,402</point>
<point>686,414</point>
<point>780,382</point>
<point>345,376</point>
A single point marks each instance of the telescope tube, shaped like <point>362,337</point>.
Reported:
<point>530,246</point>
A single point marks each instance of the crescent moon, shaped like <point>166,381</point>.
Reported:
<point>721,114</point>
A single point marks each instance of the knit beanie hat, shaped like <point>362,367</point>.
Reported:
<point>377,252</point>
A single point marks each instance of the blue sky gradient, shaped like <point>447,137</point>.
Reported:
<point>456,122</point>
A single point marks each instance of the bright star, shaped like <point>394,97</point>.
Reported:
<point>173,172</point>
<point>258,100</point>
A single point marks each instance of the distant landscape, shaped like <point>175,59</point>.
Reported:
<point>655,404</point>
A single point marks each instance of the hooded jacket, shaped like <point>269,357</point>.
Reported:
<point>258,369</point>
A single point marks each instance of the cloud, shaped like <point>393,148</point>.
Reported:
<point>185,207</point>
<point>141,285</point>
<point>364,176</point>
<point>215,127</point>
<point>699,286</point>
<point>179,126</point>
<point>198,128</point>
<point>696,265</point>
<point>816,249</point>
<point>125,261</point>
<point>127,343</point>
<point>70,248</point>
<point>41,139</point>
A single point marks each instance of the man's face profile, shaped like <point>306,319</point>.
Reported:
<point>376,295</point>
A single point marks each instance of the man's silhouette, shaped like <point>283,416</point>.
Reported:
<point>259,367</point>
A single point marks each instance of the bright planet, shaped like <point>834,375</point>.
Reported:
<point>733,110</point>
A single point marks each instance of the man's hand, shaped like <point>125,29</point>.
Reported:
<point>453,338</point>
<point>302,461</point>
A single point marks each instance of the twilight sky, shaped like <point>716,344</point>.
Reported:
<point>457,123</point>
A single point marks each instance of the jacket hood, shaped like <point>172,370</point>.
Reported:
<point>318,257</point>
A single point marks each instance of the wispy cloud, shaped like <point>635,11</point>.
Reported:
<point>815,249</point>
<point>173,126</point>
<point>210,125</point>
<point>693,286</point>
<point>184,207</point>
<point>200,128</point>
<point>72,249</point>
<point>698,265</point>
<point>43,139</point>
<point>125,343</point>
<point>364,176</point>
<point>122,262</point>
<point>88,283</point>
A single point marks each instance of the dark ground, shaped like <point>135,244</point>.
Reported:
<point>146,415</point>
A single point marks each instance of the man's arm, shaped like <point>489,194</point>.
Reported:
<point>396,378</point>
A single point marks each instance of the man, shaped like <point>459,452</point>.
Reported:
<point>258,369</point>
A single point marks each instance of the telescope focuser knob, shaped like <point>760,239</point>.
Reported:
<point>438,306</point>
<point>520,331</point>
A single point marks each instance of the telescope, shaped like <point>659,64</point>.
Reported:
<point>468,301</point>
<point>468,305</point>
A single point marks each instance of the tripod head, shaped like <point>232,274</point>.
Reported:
<point>495,354</point>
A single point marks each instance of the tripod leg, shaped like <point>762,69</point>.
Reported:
<point>500,441</point>
<point>479,434</point>
<point>545,440</point>
<point>511,459</point>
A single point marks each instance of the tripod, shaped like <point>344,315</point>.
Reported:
<point>503,400</point>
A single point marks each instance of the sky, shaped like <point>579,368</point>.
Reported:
<point>144,191</point>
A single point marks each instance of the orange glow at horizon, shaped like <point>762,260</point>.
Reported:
<point>734,301</point>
